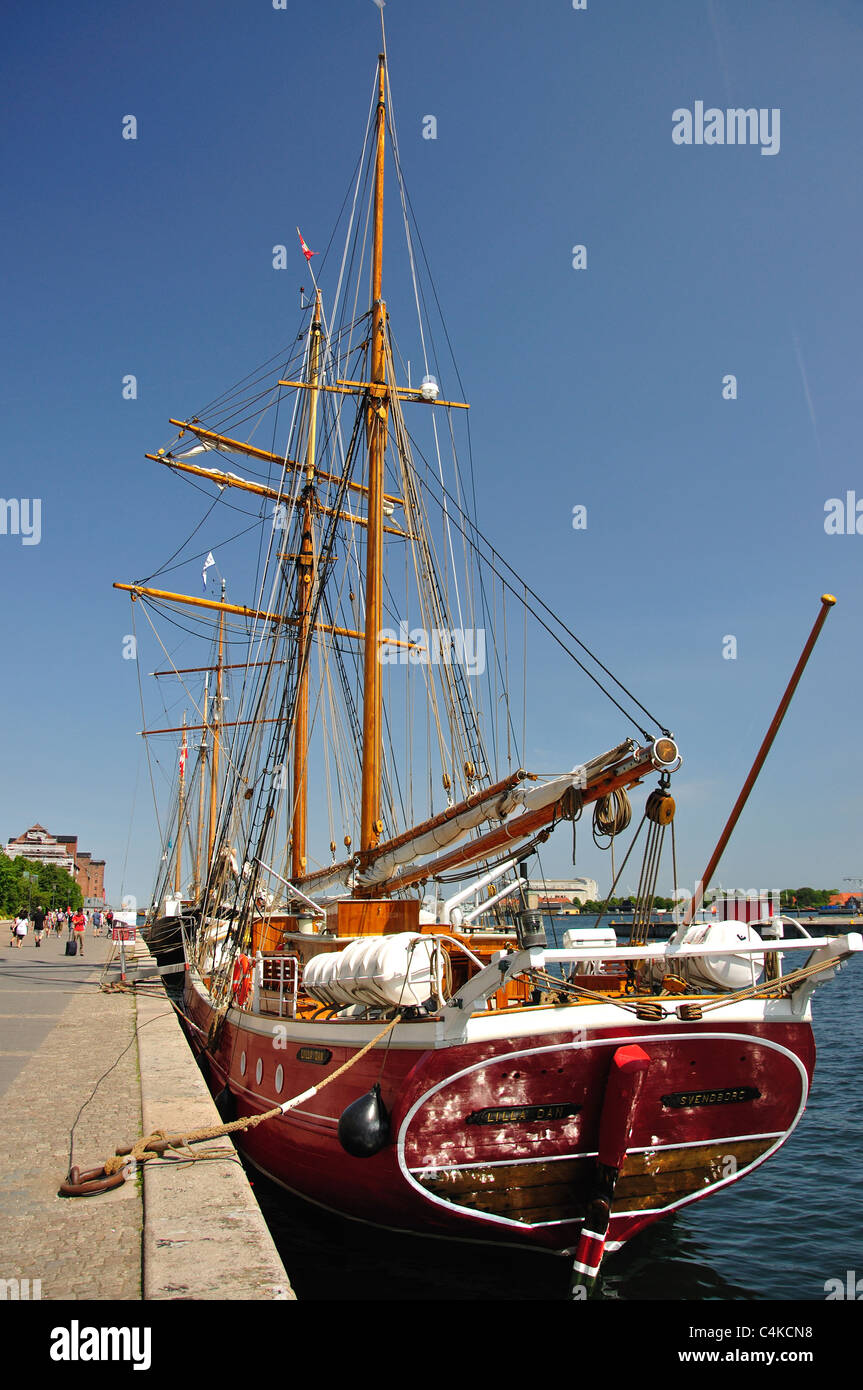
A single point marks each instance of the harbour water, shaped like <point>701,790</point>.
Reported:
<point>782,1233</point>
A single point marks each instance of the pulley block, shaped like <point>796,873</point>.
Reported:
<point>660,807</point>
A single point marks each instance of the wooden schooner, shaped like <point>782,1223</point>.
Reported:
<point>439,1066</point>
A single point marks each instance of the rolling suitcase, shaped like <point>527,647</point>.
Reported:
<point>71,948</point>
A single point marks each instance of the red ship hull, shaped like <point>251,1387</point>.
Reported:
<point>496,1139</point>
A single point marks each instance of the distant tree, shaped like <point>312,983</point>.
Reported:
<point>806,897</point>
<point>51,886</point>
<point>9,886</point>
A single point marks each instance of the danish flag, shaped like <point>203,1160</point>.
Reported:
<point>306,252</point>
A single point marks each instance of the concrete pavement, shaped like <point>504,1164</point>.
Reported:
<point>81,1071</point>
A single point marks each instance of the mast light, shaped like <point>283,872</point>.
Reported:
<point>429,389</point>
<point>664,752</point>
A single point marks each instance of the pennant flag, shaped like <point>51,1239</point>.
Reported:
<point>207,563</point>
<point>306,252</point>
<point>184,753</point>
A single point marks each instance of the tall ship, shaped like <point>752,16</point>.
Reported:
<point>354,821</point>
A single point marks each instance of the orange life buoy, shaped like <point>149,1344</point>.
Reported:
<point>241,982</point>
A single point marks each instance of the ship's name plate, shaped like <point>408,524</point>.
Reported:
<point>521,1114</point>
<point>321,1055</point>
<point>730,1095</point>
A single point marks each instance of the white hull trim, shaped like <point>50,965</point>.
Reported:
<point>492,1219</point>
<point>480,1027</point>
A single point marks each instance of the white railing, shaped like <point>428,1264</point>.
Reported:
<point>669,950</point>
<point>505,965</point>
<point>276,975</point>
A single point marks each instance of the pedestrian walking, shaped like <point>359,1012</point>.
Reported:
<point>21,924</point>
<point>38,925</point>
<point>79,923</point>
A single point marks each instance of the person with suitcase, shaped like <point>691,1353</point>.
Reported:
<point>79,922</point>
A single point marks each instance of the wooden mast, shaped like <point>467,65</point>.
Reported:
<point>202,766</point>
<point>217,717</point>
<point>305,586</point>
<point>376,434</point>
<point>180,808</point>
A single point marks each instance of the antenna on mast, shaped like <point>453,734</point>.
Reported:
<point>381,4</point>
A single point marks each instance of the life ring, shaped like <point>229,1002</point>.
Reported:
<point>241,982</point>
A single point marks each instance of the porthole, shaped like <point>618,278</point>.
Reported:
<point>259,1070</point>
<point>280,1078</point>
<point>242,1064</point>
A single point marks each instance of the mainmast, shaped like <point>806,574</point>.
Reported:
<point>305,587</point>
<point>376,434</point>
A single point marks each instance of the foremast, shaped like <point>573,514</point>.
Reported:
<point>216,720</point>
<point>305,590</point>
<point>181,806</point>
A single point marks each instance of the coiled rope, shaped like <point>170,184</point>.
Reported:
<point>611,816</point>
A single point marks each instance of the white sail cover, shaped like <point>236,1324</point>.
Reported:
<point>442,836</point>
<point>385,865</point>
<point>496,807</point>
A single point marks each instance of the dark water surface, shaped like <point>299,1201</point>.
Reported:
<point>781,1233</point>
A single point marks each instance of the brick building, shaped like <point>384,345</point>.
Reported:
<point>91,877</point>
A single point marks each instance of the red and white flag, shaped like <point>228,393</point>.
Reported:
<point>306,252</point>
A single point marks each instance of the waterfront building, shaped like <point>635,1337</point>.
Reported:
<point>552,894</point>
<point>62,851</point>
<point>43,848</point>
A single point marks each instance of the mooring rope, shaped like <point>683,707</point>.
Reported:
<point>112,1172</point>
<point>158,1141</point>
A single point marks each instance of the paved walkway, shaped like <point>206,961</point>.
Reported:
<point>82,1071</point>
<point>58,1036</point>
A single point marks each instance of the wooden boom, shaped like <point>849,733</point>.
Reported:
<point>827,602</point>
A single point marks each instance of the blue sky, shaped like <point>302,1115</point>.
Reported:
<point>599,387</point>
